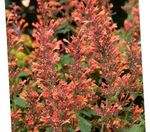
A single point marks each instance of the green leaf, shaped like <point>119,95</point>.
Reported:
<point>59,67</point>
<point>21,63</point>
<point>13,51</point>
<point>64,28</point>
<point>135,94</point>
<point>89,113</point>
<point>70,130</point>
<point>128,38</point>
<point>85,63</point>
<point>23,74</point>
<point>66,59</point>
<point>84,125</point>
<point>139,42</point>
<point>39,90</point>
<point>48,129</point>
<point>20,55</point>
<point>62,1</point>
<point>23,128</point>
<point>130,16</point>
<point>99,81</point>
<point>122,48</point>
<point>115,97</point>
<point>20,102</point>
<point>135,128</point>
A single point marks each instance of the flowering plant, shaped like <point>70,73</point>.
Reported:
<point>77,72</point>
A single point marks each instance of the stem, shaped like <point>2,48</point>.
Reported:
<point>102,129</point>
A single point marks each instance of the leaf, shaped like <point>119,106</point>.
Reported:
<point>89,113</point>
<point>128,38</point>
<point>23,74</point>
<point>39,90</point>
<point>115,97</point>
<point>48,129</point>
<point>20,102</point>
<point>62,1</point>
<point>139,42</point>
<point>12,51</point>
<point>99,81</point>
<point>122,48</point>
<point>21,63</point>
<point>59,67</point>
<point>84,125</point>
<point>85,63</point>
<point>130,16</point>
<point>64,28</point>
<point>135,128</point>
<point>135,94</point>
<point>66,59</point>
<point>70,130</point>
<point>20,55</point>
<point>26,38</point>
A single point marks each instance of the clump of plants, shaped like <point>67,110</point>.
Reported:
<point>77,72</point>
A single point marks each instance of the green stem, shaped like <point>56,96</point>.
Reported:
<point>102,129</point>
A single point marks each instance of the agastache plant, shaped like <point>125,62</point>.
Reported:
<point>77,72</point>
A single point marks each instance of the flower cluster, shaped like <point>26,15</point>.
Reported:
<point>77,71</point>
